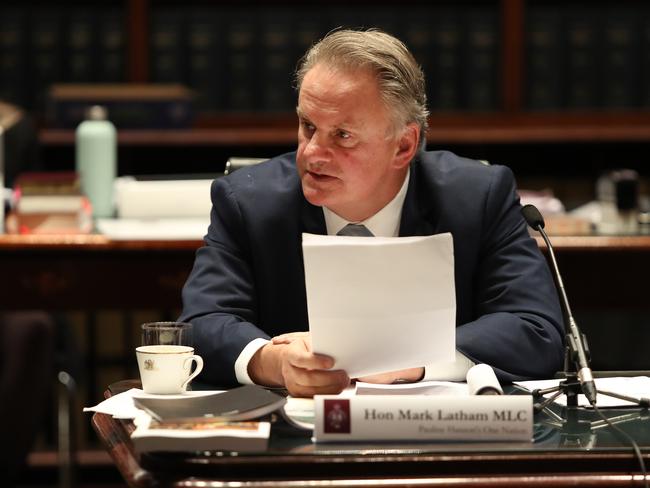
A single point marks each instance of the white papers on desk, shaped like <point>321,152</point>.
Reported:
<point>154,229</point>
<point>420,388</point>
<point>121,406</point>
<point>383,303</point>
<point>152,199</point>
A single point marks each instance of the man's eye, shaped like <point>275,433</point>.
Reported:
<point>308,127</point>
<point>343,135</point>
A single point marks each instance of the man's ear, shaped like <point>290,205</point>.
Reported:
<point>407,145</point>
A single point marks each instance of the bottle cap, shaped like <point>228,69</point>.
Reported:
<point>96,112</point>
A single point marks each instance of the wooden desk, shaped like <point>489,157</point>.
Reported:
<point>92,272</point>
<point>89,272</point>
<point>557,458</point>
<point>604,272</point>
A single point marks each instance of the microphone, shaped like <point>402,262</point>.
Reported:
<point>536,221</point>
<point>481,380</point>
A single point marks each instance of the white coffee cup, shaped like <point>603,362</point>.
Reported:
<point>165,369</point>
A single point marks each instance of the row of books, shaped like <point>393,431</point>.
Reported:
<point>240,60</point>
<point>580,56</point>
<point>45,44</point>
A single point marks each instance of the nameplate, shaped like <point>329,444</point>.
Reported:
<point>423,417</point>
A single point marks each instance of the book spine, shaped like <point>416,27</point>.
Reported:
<point>423,417</point>
<point>112,46</point>
<point>206,58</point>
<point>620,70</point>
<point>80,46</point>
<point>543,60</point>
<point>417,34</point>
<point>481,59</point>
<point>167,47</point>
<point>45,56</point>
<point>645,57</point>
<point>277,63</point>
<point>445,59</point>
<point>13,54</point>
<point>309,28</point>
<point>582,59</point>
<point>243,59</point>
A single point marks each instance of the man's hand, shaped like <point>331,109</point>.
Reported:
<point>288,361</point>
<point>407,375</point>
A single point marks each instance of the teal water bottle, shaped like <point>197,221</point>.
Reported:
<point>96,159</point>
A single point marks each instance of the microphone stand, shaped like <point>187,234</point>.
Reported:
<point>578,376</point>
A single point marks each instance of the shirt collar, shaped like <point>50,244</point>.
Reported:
<point>384,223</point>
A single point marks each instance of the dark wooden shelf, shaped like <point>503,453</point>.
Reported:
<point>592,243</point>
<point>190,137</point>
<point>89,242</point>
<point>492,128</point>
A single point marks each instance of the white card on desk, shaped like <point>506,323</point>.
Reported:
<point>423,417</point>
<point>383,303</point>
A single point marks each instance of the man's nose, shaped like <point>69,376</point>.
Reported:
<point>316,145</point>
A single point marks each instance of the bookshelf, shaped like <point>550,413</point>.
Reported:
<point>543,137</point>
<point>462,129</point>
<point>501,72</point>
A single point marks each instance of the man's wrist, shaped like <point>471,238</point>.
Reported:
<point>265,368</point>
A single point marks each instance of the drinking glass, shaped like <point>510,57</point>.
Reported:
<point>167,333</point>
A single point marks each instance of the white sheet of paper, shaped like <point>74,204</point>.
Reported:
<point>154,229</point>
<point>420,388</point>
<point>383,303</point>
<point>121,406</point>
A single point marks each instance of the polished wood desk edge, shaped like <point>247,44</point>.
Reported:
<point>571,468</point>
<point>90,242</point>
<point>597,243</point>
<point>115,437</point>
<point>529,469</point>
<point>487,481</point>
<point>101,242</point>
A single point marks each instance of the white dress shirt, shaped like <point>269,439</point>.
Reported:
<point>384,223</point>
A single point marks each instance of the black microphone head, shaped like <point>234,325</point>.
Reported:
<point>533,216</point>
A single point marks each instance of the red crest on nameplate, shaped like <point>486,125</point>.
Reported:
<point>336,416</point>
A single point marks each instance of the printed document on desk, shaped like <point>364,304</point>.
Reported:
<point>383,303</point>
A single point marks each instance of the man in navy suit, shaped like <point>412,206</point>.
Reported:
<point>360,160</point>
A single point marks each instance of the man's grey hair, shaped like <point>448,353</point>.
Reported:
<point>400,78</point>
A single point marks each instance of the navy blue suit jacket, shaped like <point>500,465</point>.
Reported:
<point>248,278</point>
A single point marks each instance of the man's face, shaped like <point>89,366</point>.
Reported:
<point>348,156</point>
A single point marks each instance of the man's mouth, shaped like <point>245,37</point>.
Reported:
<point>320,176</point>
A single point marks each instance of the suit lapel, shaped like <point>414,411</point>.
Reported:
<point>312,218</point>
<point>417,212</point>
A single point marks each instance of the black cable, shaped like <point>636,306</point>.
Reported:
<point>629,439</point>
